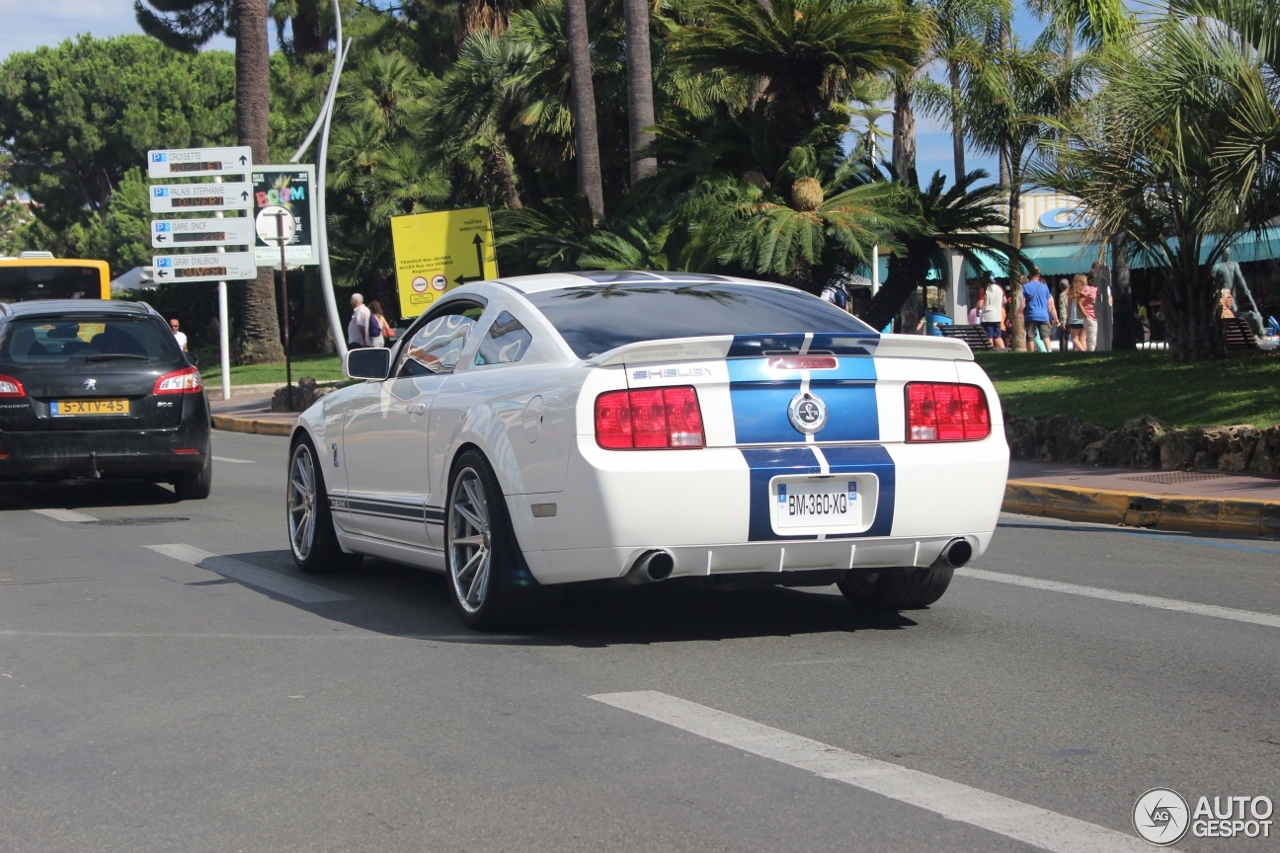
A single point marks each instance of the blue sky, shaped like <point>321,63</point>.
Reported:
<point>28,24</point>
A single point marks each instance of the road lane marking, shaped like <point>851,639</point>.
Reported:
<point>64,515</point>
<point>952,800</point>
<point>189,635</point>
<point>237,461</point>
<point>307,593</point>
<point>1173,604</point>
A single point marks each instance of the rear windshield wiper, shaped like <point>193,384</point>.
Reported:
<point>108,356</point>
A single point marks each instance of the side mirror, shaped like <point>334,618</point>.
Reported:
<point>192,359</point>
<point>367,363</point>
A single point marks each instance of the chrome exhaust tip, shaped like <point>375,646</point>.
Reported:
<point>955,553</point>
<point>652,567</point>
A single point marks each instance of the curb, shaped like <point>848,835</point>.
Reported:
<point>232,424</point>
<point>1227,516</point>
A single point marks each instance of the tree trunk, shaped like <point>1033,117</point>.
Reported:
<point>1018,344</point>
<point>308,36</point>
<point>586,138</point>
<point>498,173</point>
<point>1123,323</point>
<point>639,86</point>
<point>904,130</point>
<point>957,121</point>
<point>259,331</point>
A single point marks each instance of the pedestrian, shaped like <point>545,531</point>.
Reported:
<point>991,311</point>
<point>180,336</point>
<point>1075,313</point>
<point>378,326</point>
<point>1039,313</point>
<point>1088,307</point>
<point>358,328</point>
<point>1064,300</point>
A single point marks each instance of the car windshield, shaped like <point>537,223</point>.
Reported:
<point>595,318</point>
<point>56,341</point>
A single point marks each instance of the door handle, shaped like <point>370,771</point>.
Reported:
<point>416,408</point>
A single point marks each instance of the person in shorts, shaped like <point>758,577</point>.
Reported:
<point>991,311</point>
<point>1038,312</point>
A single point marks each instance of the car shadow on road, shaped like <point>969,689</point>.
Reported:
<point>396,600</point>
<point>83,494</point>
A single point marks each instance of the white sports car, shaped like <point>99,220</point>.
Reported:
<point>544,430</point>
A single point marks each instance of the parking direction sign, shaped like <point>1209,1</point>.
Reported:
<point>199,162</point>
<point>175,198</point>
<point>170,233</point>
<point>231,266</point>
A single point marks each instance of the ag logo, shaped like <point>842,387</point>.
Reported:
<point>807,412</point>
<point>1161,816</point>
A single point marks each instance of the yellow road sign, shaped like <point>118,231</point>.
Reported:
<point>438,251</point>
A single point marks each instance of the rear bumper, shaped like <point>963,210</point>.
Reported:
<point>103,453</point>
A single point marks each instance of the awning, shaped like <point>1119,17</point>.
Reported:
<point>1064,258</point>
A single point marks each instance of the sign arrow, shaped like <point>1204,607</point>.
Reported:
<point>244,195</point>
<point>160,238</point>
<point>479,244</point>
<point>243,159</point>
<point>162,273</point>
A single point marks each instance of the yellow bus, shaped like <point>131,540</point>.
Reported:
<point>39,275</point>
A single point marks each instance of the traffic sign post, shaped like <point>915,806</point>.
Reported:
<point>218,232</point>
<point>199,162</point>
<point>437,251</point>
<point>286,226</point>
<point>177,233</point>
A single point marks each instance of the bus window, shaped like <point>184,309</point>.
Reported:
<point>26,278</point>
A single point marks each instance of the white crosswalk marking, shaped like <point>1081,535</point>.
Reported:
<point>64,515</point>
<point>1176,605</point>
<point>237,461</point>
<point>1010,818</point>
<point>307,593</point>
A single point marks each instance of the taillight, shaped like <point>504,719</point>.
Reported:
<point>185,381</point>
<point>650,418</point>
<point>945,411</point>
<point>10,387</point>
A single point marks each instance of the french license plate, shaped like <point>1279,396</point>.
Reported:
<point>830,502</point>
<point>105,406</point>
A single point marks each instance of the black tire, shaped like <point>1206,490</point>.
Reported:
<point>489,584</point>
<point>312,539</point>
<point>195,485</point>
<point>905,591</point>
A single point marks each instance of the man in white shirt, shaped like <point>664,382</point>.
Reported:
<point>182,338</point>
<point>358,328</point>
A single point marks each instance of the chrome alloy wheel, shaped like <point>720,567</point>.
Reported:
<point>302,502</point>
<point>470,543</point>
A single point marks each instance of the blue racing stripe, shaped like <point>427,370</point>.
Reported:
<point>765,463</point>
<point>760,396</point>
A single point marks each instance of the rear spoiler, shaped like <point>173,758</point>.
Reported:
<point>713,347</point>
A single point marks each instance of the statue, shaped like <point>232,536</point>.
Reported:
<point>1228,278</point>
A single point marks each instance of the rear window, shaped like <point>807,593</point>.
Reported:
<point>54,342</point>
<point>596,318</point>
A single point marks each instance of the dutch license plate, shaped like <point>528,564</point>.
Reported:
<point>71,408</point>
<point>831,502</point>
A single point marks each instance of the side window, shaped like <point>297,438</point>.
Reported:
<point>506,342</point>
<point>437,344</point>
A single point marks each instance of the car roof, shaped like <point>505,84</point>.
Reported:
<point>76,306</point>
<point>561,280</point>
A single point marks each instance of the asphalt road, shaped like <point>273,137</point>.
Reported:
<point>168,681</point>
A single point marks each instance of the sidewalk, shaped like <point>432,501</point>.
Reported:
<point>1191,501</point>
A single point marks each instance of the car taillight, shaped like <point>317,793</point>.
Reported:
<point>649,419</point>
<point>944,411</point>
<point>185,381</point>
<point>10,387</point>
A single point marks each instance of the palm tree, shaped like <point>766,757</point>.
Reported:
<point>1014,100</point>
<point>585,135</point>
<point>809,51</point>
<point>194,22</point>
<point>1159,159</point>
<point>964,219</point>
<point>640,113</point>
